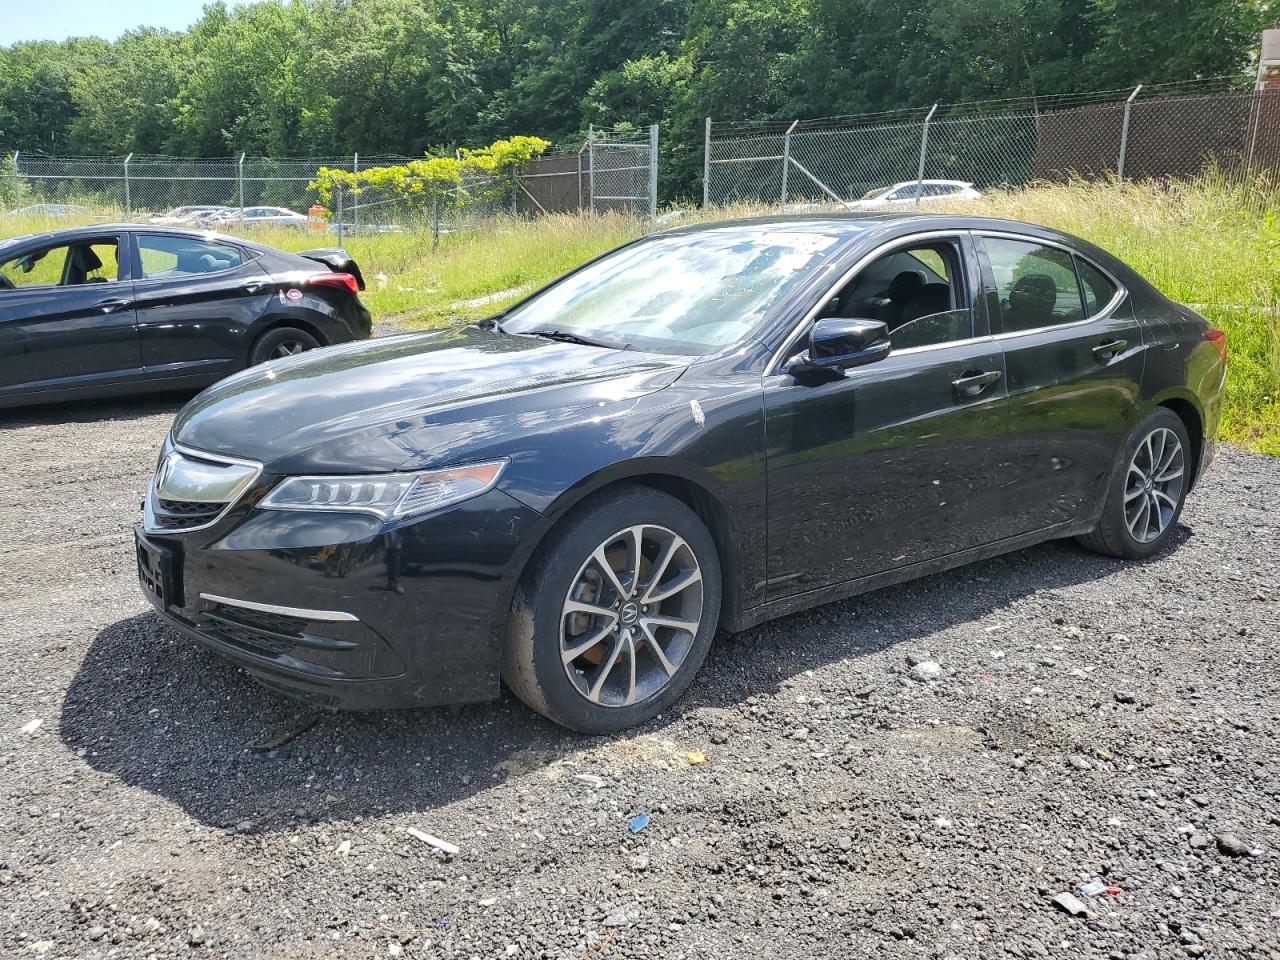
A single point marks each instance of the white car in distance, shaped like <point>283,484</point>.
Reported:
<point>903,195</point>
<point>259,217</point>
<point>184,216</point>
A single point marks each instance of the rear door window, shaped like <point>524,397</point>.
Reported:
<point>1097,286</point>
<point>1036,284</point>
<point>173,256</point>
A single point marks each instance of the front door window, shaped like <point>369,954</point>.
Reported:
<point>63,265</point>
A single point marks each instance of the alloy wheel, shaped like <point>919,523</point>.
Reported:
<point>631,615</point>
<point>288,348</point>
<point>1153,486</point>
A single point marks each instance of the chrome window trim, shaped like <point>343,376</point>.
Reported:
<point>147,514</point>
<point>942,345</point>
<point>779,355</point>
<point>1107,309</point>
<point>300,613</point>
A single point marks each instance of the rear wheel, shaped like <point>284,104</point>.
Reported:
<point>281,342</point>
<point>616,613</point>
<point>1147,489</point>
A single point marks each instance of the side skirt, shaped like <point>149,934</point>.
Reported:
<point>851,588</point>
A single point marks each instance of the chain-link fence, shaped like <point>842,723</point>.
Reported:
<point>614,170</point>
<point>1170,131</point>
<point>412,206</point>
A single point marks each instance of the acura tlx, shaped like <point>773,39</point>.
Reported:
<point>704,428</point>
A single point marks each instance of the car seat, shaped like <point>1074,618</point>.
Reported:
<point>929,299</point>
<point>81,261</point>
<point>1031,301</point>
<point>901,289</point>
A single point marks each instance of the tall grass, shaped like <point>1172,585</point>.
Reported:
<point>1211,244</point>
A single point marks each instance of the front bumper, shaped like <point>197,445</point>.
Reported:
<point>342,611</point>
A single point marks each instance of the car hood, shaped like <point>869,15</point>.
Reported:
<point>410,401</point>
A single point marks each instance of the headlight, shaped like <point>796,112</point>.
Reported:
<point>385,495</point>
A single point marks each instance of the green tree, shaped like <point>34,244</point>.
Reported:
<point>1155,41</point>
<point>125,97</point>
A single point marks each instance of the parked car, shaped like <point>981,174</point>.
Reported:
<point>128,308</point>
<point>705,428</point>
<point>51,211</point>
<point>186,216</point>
<point>258,217</point>
<point>902,195</point>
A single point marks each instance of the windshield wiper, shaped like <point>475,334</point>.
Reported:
<point>566,336</point>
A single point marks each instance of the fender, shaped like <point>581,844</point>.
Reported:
<point>691,483</point>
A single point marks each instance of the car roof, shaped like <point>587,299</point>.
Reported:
<point>856,228</point>
<point>851,223</point>
<point>71,234</point>
<point>936,183</point>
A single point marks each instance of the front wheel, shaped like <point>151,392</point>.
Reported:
<point>1147,490</point>
<point>616,613</point>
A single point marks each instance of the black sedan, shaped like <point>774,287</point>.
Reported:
<point>129,308</point>
<point>704,428</point>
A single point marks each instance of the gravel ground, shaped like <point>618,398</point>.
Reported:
<point>1087,719</point>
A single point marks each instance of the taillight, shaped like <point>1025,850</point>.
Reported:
<point>342,280</point>
<point>1219,340</point>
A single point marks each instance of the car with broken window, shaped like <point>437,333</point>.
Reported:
<point>129,308</point>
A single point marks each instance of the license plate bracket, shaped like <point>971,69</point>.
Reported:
<point>159,572</point>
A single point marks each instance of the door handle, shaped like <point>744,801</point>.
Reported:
<point>973,382</point>
<point>112,305</point>
<point>253,286</point>
<point>1108,349</point>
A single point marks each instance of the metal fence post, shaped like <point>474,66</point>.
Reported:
<point>653,171</point>
<point>128,200</point>
<point>355,168</point>
<point>579,180</point>
<point>17,181</point>
<point>786,157</point>
<point>435,221</point>
<point>337,210</point>
<point>240,181</point>
<point>1255,120</point>
<point>591,164</point>
<point>924,149</point>
<point>1124,134</point>
<point>706,166</point>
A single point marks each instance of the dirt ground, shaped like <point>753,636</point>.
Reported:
<point>1091,720</point>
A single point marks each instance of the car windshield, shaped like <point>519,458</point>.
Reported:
<point>689,293</point>
<point>876,193</point>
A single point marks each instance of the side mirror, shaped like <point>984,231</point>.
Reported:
<point>837,344</point>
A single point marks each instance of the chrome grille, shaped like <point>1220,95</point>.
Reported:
<point>192,489</point>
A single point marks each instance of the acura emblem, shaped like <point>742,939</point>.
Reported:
<point>162,473</point>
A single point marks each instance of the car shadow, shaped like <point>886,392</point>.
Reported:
<point>168,717</point>
<point>93,411</point>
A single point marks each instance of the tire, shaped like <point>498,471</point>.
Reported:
<point>273,344</point>
<point>639,663</point>
<point>1124,530</point>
